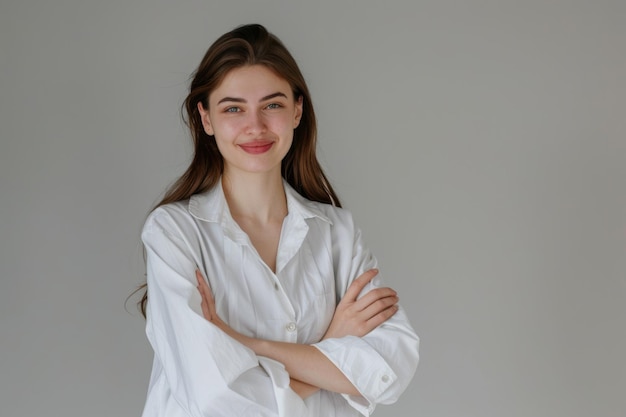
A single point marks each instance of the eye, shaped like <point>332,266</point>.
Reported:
<point>233,109</point>
<point>273,106</point>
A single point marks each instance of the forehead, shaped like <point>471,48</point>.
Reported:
<point>250,83</point>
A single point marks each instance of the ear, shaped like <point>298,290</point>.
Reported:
<point>206,121</point>
<point>298,113</point>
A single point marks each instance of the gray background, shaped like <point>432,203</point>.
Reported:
<point>481,146</point>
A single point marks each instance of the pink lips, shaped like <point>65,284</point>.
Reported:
<point>257,147</point>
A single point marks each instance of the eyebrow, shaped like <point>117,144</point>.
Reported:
<point>241,100</point>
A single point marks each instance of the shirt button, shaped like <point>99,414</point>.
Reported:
<point>276,286</point>
<point>291,327</point>
<point>385,378</point>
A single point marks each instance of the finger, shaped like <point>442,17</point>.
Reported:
<point>207,296</point>
<point>203,302</point>
<point>378,306</point>
<point>208,303</point>
<point>203,286</point>
<point>199,278</point>
<point>373,296</point>
<point>381,317</point>
<point>359,283</point>
<point>205,310</point>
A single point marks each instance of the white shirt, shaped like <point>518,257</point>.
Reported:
<point>199,371</point>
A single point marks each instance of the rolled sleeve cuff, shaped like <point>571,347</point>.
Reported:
<point>363,366</point>
<point>288,402</point>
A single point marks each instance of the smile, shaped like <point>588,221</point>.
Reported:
<point>256,148</point>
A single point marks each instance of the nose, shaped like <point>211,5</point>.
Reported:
<point>255,124</point>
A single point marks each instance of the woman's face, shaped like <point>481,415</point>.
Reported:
<point>252,115</point>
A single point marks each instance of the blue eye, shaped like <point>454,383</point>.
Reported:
<point>232,110</point>
<point>274,106</point>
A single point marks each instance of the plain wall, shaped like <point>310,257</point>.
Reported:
<point>481,146</point>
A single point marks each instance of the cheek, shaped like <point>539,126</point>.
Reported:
<point>283,125</point>
<point>226,132</point>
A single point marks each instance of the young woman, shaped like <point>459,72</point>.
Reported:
<point>262,298</point>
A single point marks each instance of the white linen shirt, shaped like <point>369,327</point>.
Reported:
<point>199,371</point>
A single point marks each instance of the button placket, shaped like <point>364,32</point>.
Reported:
<point>290,327</point>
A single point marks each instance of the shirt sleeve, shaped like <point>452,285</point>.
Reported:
<point>382,363</point>
<point>208,372</point>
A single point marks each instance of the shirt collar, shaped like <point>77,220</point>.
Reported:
<point>211,205</point>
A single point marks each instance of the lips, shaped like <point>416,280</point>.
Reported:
<point>257,147</point>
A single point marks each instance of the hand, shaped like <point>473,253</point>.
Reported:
<point>210,312</point>
<point>208,302</point>
<point>359,317</point>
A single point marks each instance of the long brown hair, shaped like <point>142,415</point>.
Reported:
<point>248,45</point>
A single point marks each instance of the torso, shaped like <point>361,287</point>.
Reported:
<point>311,267</point>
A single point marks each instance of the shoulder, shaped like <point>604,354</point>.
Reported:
<point>186,220</point>
<point>167,219</point>
<point>338,216</point>
<point>340,219</point>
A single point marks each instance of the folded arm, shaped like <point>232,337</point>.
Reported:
<point>308,367</point>
<point>381,363</point>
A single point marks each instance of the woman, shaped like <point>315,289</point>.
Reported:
<point>261,296</point>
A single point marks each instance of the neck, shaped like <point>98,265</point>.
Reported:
<point>256,197</point>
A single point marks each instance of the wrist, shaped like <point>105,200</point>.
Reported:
<point>259,346</point>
